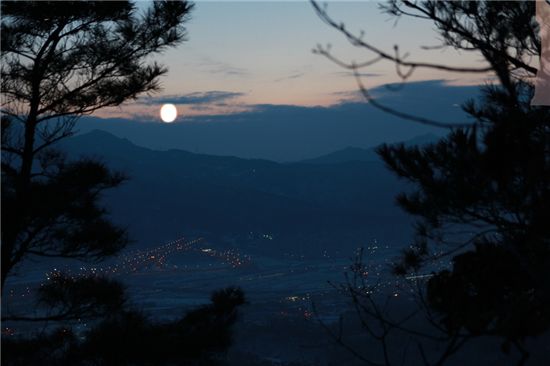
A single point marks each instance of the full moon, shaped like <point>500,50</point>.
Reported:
<point>168,113</point>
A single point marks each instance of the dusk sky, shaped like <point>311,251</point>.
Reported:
<point>240,54</point>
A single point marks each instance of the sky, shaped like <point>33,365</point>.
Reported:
<point>243,54</point>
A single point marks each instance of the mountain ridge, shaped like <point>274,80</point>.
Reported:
<point>353,153</point>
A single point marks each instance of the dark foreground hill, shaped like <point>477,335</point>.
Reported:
<point>268,206</point>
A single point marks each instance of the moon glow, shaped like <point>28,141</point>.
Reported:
<point>168,113</point>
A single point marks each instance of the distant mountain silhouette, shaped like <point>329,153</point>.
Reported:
<point>291,133</point>
<point>348,154</point>
<point>360,154</point>
<point>303,207</point>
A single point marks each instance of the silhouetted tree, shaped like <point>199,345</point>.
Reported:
<point>481,194</point>
<point>77,298</point>
<point>59,61</point>
<point>62,60</point>
<point>130,338</point>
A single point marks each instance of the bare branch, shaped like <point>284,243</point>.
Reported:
<point>359,42</point>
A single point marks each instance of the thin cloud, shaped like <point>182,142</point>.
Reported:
<point>293,76</point>
<point>214,96</point>
<point>349,96</point>
<point>218,67</point>
<point>362,74</point>
<point>228,70</point>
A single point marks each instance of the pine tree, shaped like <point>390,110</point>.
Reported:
<point>481,195</point>
<point>62,60</point>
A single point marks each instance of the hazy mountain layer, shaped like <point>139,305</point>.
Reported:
<point>258,204</point>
